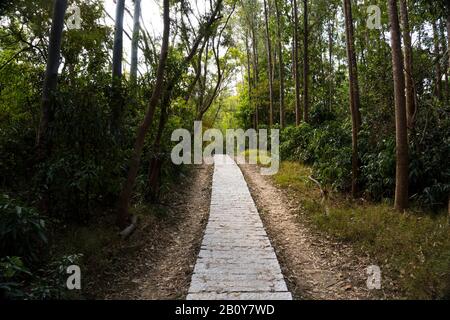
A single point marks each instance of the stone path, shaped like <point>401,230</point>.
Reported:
<point>236,259</point>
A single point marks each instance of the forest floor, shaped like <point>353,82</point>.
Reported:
<point>157,261</point>
<point>314,265</point>
<point>159,257</point>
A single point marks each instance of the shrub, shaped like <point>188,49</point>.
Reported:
<point>294,142</point>
<point>22,231</point>
<point>12,272</point>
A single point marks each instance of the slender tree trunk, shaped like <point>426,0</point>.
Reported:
<point>305,62</point>
<point>156,160</point>
<point>124,200</point>
<point>249,76</point>
<point>255,67</point>
<point>295,64</point>
<point>51,75</point>
<point>438,79</point>
<point>354,93</point>
<point>407,51</point>
<point>269,63</point>
<point>135,41</point>
<point>447,64</point>
<point>330,61</point>
<point>401,178</point>
<point>117,97</point>
<point>280,62</point>
<point>118,41</point>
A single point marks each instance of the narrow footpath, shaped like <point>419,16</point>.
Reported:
<point>236,259</point>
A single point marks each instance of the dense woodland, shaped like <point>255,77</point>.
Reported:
<point>85,134</point>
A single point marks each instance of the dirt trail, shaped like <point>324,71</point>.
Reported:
<point>314,267</point>
<point>165,248</point>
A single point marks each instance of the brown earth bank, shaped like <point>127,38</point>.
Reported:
<point>314,265</point>
<point>157,261</point>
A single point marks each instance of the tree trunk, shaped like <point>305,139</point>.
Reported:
<point>447,71</point>
<point>51,75</point>
<point>118,41</point>
<point>156,160</point>
<point>407,51</point>
<point>305,62</point>
<point>255,68</point>
<point>438,78</point>
<point>123,215</point>
<point>295,64</point>
<point>269,63</point>
<point>249,77</point>
<point>353,93</point>
<point>330,61</point>
<point>135,41</point>
<point>117,97</point>
<point>280,62</point>
<point>401,178</point>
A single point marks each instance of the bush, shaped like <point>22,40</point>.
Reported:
<point>294,143</point>
<point>85,168</point>
<point>49,282</point>
<point>327,148</point>
<point>378,167</point>
<point>12,273</point>
<point>22,231</point>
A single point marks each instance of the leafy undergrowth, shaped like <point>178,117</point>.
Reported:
<point>413,248</point>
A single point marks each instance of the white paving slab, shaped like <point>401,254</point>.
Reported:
<point>236,260</point>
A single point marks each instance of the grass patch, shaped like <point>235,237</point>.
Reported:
<point>413,248</point>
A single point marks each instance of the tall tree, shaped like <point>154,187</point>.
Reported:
<point>118,41</point>
<point>280,61</point>
<point>135,41</point>
<point>305,62</point>
<point>51,74</point>
<point>269,63</point>
<point>438,70</point>
<point>123,215</point>
<point>253,26</point>
<point>330,61</point>
<point>249,73</point>
<point>407,56</point>
<point>401,175</point>
<point>353,92</point>
<point>117,98</point>
<point>295,63</point>
<point>448,52</point>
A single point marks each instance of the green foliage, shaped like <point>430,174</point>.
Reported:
<point>22,231</point>
<point>48,282</point>
<point>12,272</point>
<point>85,167</point>
<point>429,154</point>
<point>327,148</point>
<point>294,143</point>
